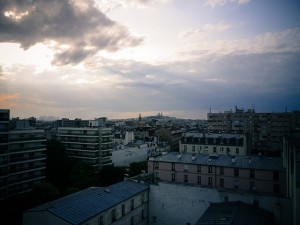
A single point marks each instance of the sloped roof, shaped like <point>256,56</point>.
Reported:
<point>241,161</point>
<point>235,213</point>
<point>83,205</point>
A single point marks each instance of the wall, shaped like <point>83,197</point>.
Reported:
<point>126,156</point>
<point>182,204</point>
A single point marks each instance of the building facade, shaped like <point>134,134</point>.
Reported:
<point>4,131</point>
<point>92,145</point>
<point>231,144</point>
<point>126,202</point>
<point>27,160</point>
<point>264,130</point>
<point>22,158</point>
<point>241,173</point>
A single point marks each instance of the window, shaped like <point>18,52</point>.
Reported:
<point>156,175</point>
<point>276,188</point>
<point>214,149</point>
<point>221,182</point>
<point>132,204</point>
<point>193,148</point>
<point>210,169</point>
<point>173,166</point>
<point>236,172</point>
<point>156,165</point>
<point>252,185</point>
<point>252,173</point>
<point>275,175</point>
<point>132,220</point>
<point>228,150</point>
<point>186,178</point>
<point>199,168</point>
<point>173,176</point>
<point>222,149</point>
<point>113,215</point>
<point>143,214</point>
<point>100,220</point>
<point>142,198</point>
<point>236,184</point>
<point>185,148</point>
<point>186,168</point>
<point>123,210</point>
<point>199,179</point>
<point>237,151</point>
<point>221,170</point>
<point>210,181</point>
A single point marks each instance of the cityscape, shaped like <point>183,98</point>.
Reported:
<point>152,170</point>
<point>149,112</point>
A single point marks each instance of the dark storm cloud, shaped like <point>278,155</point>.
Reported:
<point>75,29</point>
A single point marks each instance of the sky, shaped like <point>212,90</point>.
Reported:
<point>118,58</point>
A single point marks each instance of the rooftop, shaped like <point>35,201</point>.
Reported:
<point>247,162</point>
<point>235,213</point>
<point>213,135</point>
<point>83,205</point>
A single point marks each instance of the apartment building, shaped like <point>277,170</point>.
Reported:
<point>264,130</point>
<point>4,131</point>
<point>27,160</point>
<point>207,143</point>
<point>126,202</point>
<point>22,157</point>
<point>241,173</point>
<point>92,145</point>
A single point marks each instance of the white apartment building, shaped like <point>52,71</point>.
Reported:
<point>92,145</point>
<point>207,143</point>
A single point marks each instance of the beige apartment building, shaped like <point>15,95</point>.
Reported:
<point>207,143</point>
<point>92,145</point>
<point>241,173</point>
<point>126,202</point>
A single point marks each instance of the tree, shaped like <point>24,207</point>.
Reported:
<point>164,135</point>
<point>58,165</point>
<point>137,167</point>
<point>111,174</point>
<point>44,192</point>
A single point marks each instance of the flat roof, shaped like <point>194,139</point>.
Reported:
<point>83,205</point>
<point>240,161</point>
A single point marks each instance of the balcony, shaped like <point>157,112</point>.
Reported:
<point>27,149</point>
<point>26,139</point>
<point>26,159</point>
<point>27,169</point>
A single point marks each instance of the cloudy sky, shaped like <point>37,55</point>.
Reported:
<point>119,58</point>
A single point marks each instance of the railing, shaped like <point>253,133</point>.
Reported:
<point>24,159</point>
<point>27,169</point>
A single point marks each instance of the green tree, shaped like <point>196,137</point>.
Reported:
<point>111,174</point>
<point>44,192</point>
<point>164,134</point>
<point>137,167</point>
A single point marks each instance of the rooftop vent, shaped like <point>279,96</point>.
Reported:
<point>193,157</point>
<point>233,160</point>
<point>249,161</point>
<point>107,190</point>
<point>179,156</point>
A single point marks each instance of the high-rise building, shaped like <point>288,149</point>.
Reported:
<point>4,129</point>
<point>22,157</point>
<point>265,131</point>
<point>27,160</point>
<point>92,145</point>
